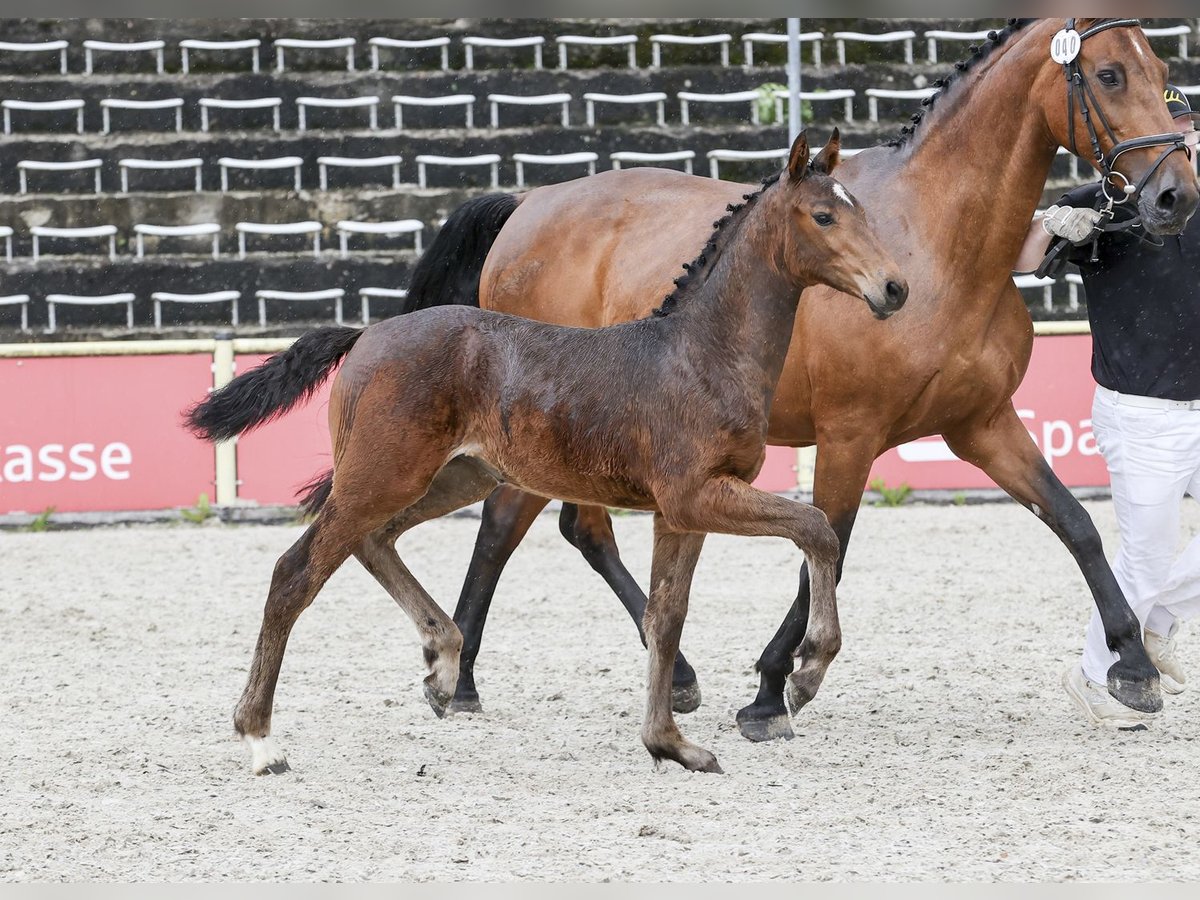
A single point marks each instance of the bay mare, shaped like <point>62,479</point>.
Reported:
<point>952,198</point>
<point>429,412</point>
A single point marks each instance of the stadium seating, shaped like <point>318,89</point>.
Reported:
<point>334,294</point>
<point>192,45</point>
<point>495,101</point>
<point>398,44</point>
<point>22,300</point>
<point>687,97</point>
<point>874,95</point>
<point>658,98</point>
<point>155,47</point>
<point>75,233</point>
<point>582,40</point>
<point>686,40</point>
<point>7,233</point>
<point>160,165</point>
<point>652,159</point>
<point>370,102</point>
<point>846,95</point>
<point>271,103</point>
<point>347,227</point>
<point>483,159</point>
<point>365,295</point>
<point>53,300</point>
<point>42,106</point>
<point>715,157</point>
<point>969,37</point>
<point>106,105</point>
<point>399,101</point>
<point>553,159</point>
<point>230,297</point>
<point>758,37</point>
<point>890,37</point>
<point>472,41</point>
<point>346,44</point>
<point>259,165</point>
<point>79,165</point>
<point>199,229</point>
<point>324,163</point>
<point>40,47</point>
<point>277,229</point>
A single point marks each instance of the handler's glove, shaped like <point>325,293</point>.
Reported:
<point>1075,224</point>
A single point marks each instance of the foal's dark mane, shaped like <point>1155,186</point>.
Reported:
<point>723,230</point>
<point>978,53</point>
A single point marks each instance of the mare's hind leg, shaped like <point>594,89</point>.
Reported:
<point>301,571</point>
<point>461,482</point>
<point>589,530</point>
<point>675,556</point>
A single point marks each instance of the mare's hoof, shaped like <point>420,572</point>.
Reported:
<point>276,768</point>
<point>464,703</point>
<point>685,698</point>
<point>707,763</point>
<point>1135,686</point>
<point>757,727</point>
<point>438,700</point>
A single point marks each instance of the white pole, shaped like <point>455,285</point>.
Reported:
<point>793,70</point>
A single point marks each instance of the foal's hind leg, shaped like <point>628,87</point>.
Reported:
<point>589,529</point>
<point>460,483</point>
<point>675,556</point>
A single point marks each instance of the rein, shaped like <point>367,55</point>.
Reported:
<point>1065,49</point>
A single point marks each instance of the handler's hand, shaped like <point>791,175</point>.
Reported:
<point>1071,223</point>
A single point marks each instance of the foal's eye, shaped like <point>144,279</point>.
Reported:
<point>823,219</point>
<point>1107,76</point>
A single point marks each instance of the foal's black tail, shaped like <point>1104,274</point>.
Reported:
<point>268,391</point>
<point>447,274</point>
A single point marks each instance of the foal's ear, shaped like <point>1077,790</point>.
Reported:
<point>827,159</point>
<point>798,158</point>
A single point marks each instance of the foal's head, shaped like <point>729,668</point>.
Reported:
<point>827,239</point>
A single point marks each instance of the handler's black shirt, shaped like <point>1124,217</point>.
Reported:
<point>1144,306</point>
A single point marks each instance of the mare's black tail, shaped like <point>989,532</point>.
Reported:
<point>268,391</point>
<point>447,274</point>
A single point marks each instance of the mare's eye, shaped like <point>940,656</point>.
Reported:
<point>1107,76</point>
<point>823,219</point>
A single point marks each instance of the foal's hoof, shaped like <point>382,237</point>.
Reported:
<point>685,698</point>
<point>798,695</point>
<point>705,763</point>
<point>266,757</point>
<point>758,725</point>
<point>439,701</point>
<point>1135,686</point>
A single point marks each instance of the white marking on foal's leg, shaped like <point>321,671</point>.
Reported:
<point>266,757</point>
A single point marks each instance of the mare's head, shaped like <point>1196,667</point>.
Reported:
<point>828,240</point>
<point>1120,81</point>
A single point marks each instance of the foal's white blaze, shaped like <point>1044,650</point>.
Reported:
<point>264,752</point>
<point>842,194</point>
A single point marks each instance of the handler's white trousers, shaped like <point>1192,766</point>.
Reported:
<point>1153,457</point>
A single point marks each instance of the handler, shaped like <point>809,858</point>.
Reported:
<point>1143,302</point>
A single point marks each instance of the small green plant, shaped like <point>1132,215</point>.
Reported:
<point>41,522</point>
<point>766,105</point>
<point>960,498</point>
<point>198,513</point>
<point>892,496</point>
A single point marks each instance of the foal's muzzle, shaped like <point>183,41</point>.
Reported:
<point>890,299</point>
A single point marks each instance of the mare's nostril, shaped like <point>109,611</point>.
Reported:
<point>1166,200</point>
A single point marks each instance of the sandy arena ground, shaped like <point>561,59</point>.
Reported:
<point>941,746</point>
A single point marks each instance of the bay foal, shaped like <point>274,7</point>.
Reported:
<point>669,413</point>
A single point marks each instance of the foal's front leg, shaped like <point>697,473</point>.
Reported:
<point>675,557</point>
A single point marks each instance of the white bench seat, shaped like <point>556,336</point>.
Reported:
<point>583,40</point>
<point>347,227</point>
<point>346,44</point>
<point>159,165</point>
<point>188,45</point>
<point>688,97</point>
<point>380,293</point>
<point>966,37</point>
<point>443,43</point>
<point>230,297</point>
<point>106,105</point>
<point>874,95</point>
<point>656,97</point>
<point>39,47</point>
<point>22,300</point>
<point>77,165</point>
<point>634,156</point>
<point>1029,282</point>
<point>401,100</point>
<point>155,47</point>
<point>497,100</point>
<point>271,103</point>
<point>715,157</point>
<point>483,159</point>
<point>277,229</point>
<point>846,95</point>
<point>73,103</point>
<point>765,37</point>
<point>472,41</point>
<point>7,233</point>
<point>353,162</point>
<point>1180,31</point>
<point>53,300</point>
<point>335,294</point>
<point>371,102</point>
<point>890,37</point>
<point>553,159</point>
<point>198,229</point>
<point>684,40</point>
<point>84,232</point>
<point>258,165</point>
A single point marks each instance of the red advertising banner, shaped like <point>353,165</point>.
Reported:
<point>1055,402</point>
<point>101,433</point>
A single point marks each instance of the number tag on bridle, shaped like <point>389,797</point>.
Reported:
<point>1065,46</point>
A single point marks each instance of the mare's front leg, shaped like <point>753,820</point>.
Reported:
<point>675,557</point>
<point>843,466</point>
<point>589,530</point>
<point>1004,450</point>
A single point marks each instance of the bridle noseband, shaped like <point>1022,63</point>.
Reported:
<point>1079,92</point>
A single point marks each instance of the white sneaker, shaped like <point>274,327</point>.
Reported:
<point>1161,651</point>
<point>1100,707</point>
